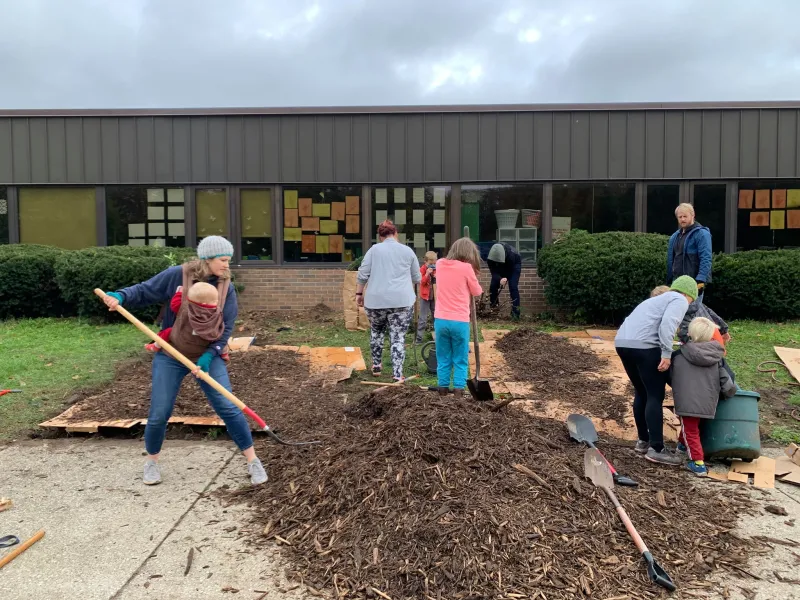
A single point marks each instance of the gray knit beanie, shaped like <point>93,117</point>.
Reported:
<point>497,253</point>
<point>214,246</point>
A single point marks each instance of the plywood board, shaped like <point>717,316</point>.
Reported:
<point>338,211</point>
<point>291,217</point>
<point>309,244</point>
<point>791,358</point>
<point>328,227</point>
<point>321,210</point>
<point>793,219</point>
<point>353,224</point>
<point>778,198</point>
<point>762,198</point>
<point>310,223</point>
<point>304,206</point>
<point>759,219</point>
<point>352,205</point>
<point>746,199</point>
<point>336,243</point>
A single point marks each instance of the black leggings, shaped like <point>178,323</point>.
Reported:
<point>650,385</point>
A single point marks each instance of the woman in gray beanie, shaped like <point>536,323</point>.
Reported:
<point>212,266</point>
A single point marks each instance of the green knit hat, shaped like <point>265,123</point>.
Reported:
<point>685,285</point>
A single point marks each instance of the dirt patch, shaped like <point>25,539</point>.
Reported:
<point>775,410</point>
<point>265,325</point>
<point>255,377</point>
<point>561,371</point>
<point>415,496</point>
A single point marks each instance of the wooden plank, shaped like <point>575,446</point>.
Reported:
<point>791,358</point>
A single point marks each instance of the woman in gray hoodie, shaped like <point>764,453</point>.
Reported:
<point>644,345</point>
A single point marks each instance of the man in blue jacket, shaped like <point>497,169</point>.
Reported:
<point>689,250</point>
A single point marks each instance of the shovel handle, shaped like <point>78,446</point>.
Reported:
<point>24,546</point>
<point>626,520</point>
<point>186,362</point>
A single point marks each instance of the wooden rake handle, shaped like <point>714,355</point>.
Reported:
<point>187,363</point>
<point>24,546</point>
<point>626,520</point>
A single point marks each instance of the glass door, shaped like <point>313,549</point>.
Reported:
<point>661,200</point>
<point>709,208</point>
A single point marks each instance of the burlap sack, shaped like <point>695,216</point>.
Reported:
<point>355,319</point>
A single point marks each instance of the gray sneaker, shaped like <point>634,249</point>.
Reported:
<point>641,447</point>
<point>665,457</point>
<point>152,473</point>
<point>257,473</point>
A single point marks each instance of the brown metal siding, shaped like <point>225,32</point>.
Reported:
<point>400,147</point>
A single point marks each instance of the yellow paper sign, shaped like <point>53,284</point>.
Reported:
<point>292,234</point>
<point>323,244</point>
<point>777,219</point>
<point>321,210</point>
<point>290,199</point>
<point>329,227</point>
<point>793,198</point>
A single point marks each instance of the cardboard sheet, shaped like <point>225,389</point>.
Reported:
<point>324,358</point>
<point>793,452</point>
<point>762,469</point>
<point>718,475</point>
<point>739,477</point>
<point>791,358</point>
<point>240,344</point>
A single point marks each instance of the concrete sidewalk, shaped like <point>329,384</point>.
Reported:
<point>109,536</point>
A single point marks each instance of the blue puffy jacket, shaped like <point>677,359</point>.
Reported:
<point>695,260</point>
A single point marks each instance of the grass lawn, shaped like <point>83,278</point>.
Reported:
<point>49,359</point>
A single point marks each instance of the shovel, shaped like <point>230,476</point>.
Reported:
<point>203,375</point>
<point>596,468</point>
<point>480,389</point>
<point>581,429</point>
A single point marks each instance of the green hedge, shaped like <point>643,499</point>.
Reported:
<point>28,285</point>
<point>603,276</point>
<point>759,284</point>
<point>111,268</point>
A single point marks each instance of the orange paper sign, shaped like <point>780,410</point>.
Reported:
<point>759,219</point>
<point>778,198</point>
<point>793,219</point>
<point>304,206</point>
<point>353,205</point>
<point>746,199</point>
<point>310,223</point>
<point>762,198</point>
<point>290,217</point>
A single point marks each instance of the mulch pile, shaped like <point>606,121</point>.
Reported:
<point>254,377</point>
<point>561,371</point>
<point>414,496</point>
<point>264,324</point>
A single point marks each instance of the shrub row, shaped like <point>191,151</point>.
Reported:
<point>602,277</point>
<point>38,281</point>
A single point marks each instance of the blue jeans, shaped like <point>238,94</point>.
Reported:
<point>168,374</point>
<point>452,352</point>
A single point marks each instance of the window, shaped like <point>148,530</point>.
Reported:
<point>211,210</point>
<point>139,216</point>
<point>709,208</point>
<point>256,223</point>
<point>3,215</point>
<point>420,213</point>
<point>662,200</point>
<point>593,208</point>
<point>504,213</point>
<point>64,217</point>
<point>322,224</point>
<point>768,215</point>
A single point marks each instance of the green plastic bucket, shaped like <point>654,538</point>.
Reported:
<point>734,432</point>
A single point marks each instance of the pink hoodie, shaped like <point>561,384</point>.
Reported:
<point>455,283</point>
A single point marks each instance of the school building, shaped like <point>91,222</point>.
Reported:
<point>299,191</point>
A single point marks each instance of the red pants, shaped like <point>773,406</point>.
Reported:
<point>690,436</point>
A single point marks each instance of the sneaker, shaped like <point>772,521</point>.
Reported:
<point>458,394</point>
<point>681,449</point>
<point>257,473</point>
<point>641,447</point>
<point>665,457</point>
<point>697,467</point>
<point>152,473</point>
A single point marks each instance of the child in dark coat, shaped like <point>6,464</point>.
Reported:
<point>699,377</point>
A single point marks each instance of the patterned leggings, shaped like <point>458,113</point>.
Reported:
<point>396,320</point>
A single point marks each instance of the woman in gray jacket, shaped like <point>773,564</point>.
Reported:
<point>392,270</point>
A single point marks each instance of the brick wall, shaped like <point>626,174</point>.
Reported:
<point>297,289</point>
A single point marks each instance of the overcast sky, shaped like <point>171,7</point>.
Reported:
<point>203,53</point>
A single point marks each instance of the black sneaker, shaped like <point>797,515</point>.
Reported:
<point>665,457</point>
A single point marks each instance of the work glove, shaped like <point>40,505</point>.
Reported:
<point>701,286</point>
<point>204,362</point>
<point>116,296</point>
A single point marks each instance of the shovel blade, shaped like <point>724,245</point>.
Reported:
<point>657,574</point>
<point>596,468</point>
<point>480,389</point>
<point>581,429</point>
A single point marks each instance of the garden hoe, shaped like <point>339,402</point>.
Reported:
<point>596,468</point>
<point>581,429</point>
<point>480,389</point>
<point>203,375</point>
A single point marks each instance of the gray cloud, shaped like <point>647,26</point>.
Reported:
<point>201,53</point>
